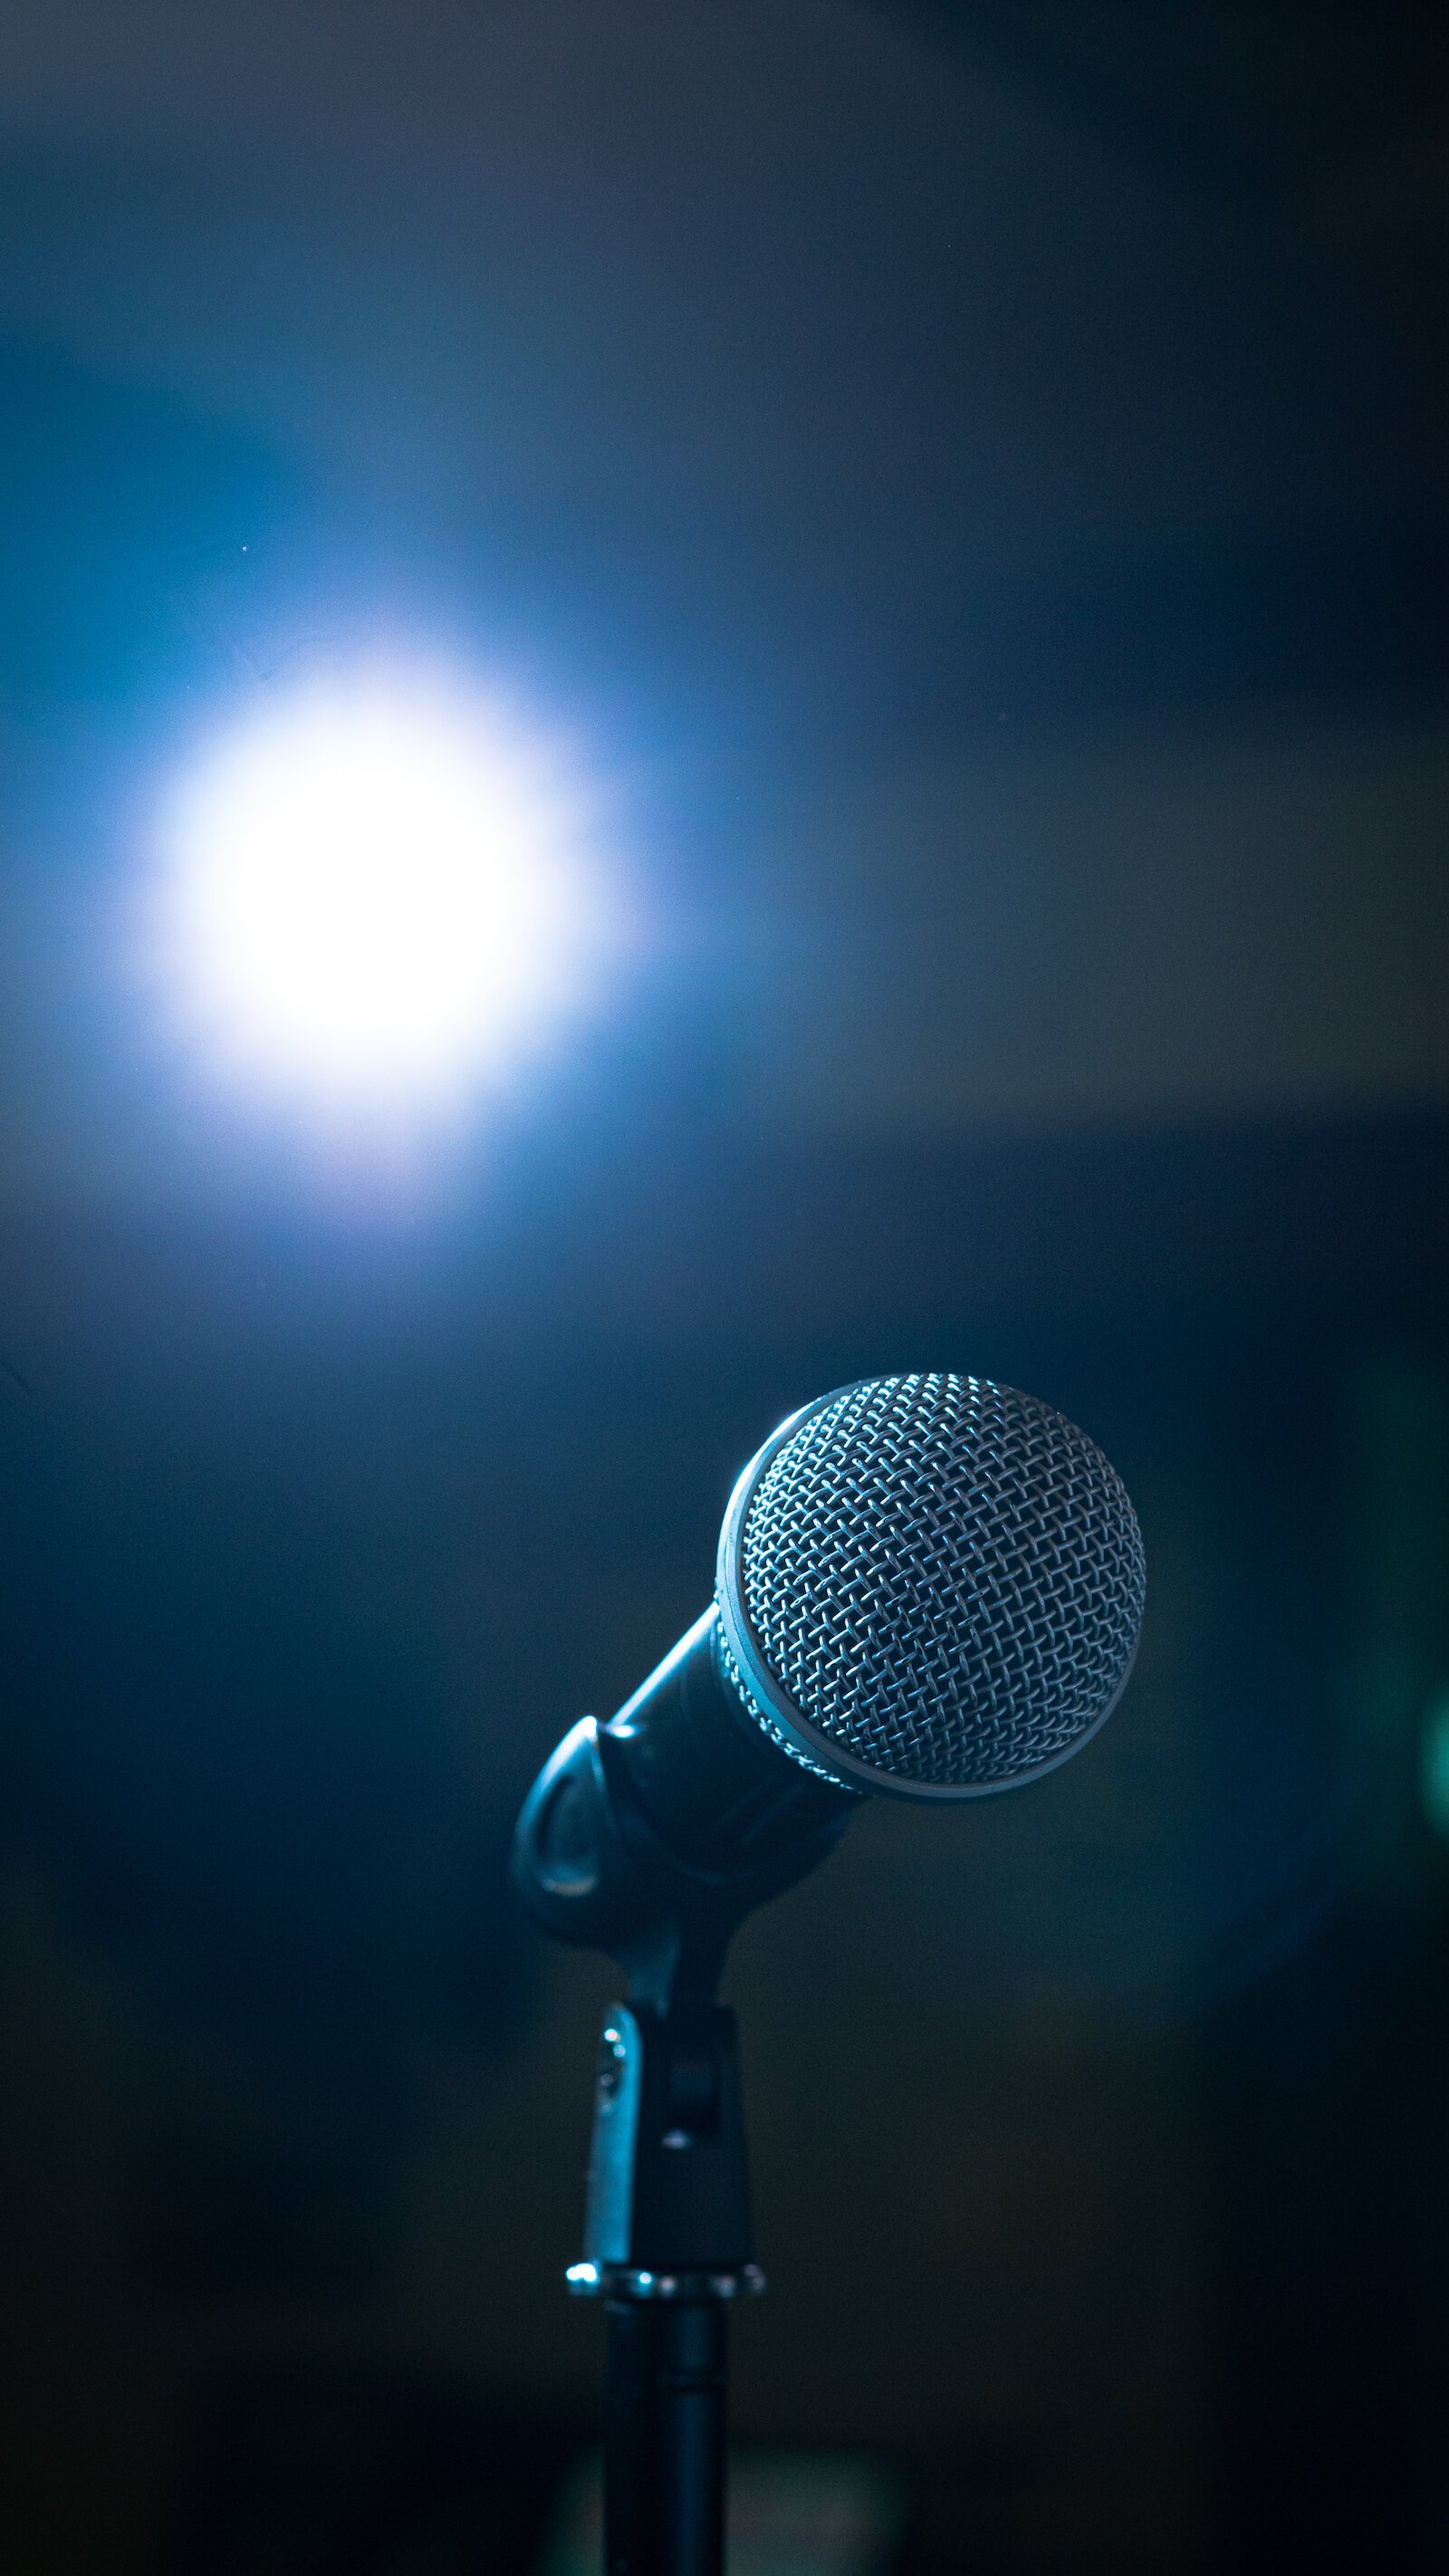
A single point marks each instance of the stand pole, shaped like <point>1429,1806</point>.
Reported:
<point>664,2455</point>
<point>667,2248</point>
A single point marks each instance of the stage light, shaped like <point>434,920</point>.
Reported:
<point>374,892</point>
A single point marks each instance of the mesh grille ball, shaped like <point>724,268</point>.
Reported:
<point>945,1578</point>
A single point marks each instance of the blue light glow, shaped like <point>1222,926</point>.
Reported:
<point>375,893</point>
<point>1434,1764</point>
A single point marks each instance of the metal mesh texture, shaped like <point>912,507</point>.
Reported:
<point>945,1576</point>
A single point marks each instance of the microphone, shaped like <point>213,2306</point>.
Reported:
<point>927,1587</point>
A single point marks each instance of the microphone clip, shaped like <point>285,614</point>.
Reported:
<point>668,2208</point>
<point>593,1870</point>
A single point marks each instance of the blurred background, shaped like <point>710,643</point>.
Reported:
<point>961,493</point>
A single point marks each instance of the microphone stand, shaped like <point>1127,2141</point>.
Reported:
<point>667,2246</point>
<point>668,2241</point>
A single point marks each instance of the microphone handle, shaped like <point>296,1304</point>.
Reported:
<point>712,1783</point>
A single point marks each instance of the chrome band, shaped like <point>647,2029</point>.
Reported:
<point>620,2281</point>
<point>772,1709</point>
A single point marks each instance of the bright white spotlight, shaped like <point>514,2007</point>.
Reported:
<point>373,892</point>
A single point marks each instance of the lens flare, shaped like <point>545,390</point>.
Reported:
<point>374,890</point>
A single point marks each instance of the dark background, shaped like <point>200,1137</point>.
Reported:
<point>970,485</point>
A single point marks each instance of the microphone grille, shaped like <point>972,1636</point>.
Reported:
<point>945,1577</point>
